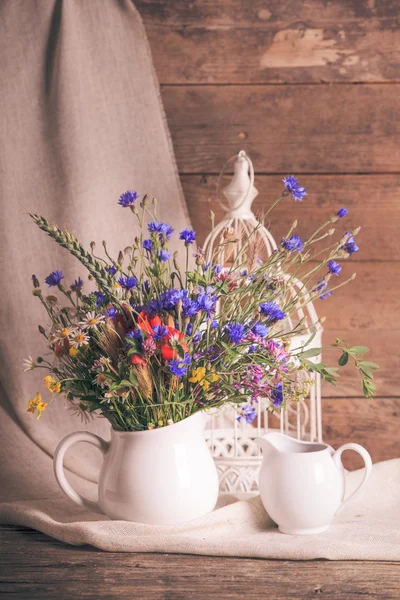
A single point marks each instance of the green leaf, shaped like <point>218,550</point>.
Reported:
<point>358,350</point>
<point>368,364</point>
<point>367,372</point>
<point>310,353</point>
<point>344,359</point>
<point>180,351</point>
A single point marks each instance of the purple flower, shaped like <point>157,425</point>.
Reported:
<point>77,285</point>
<point>148,245</point>
<point>272,310</point>
<point>159,332</point>
<point>197,338</point>
<point>160,228</point>
<point>342,212</point>
<point>292,187</point>
<point>179,367</point>
<point>127,282</point>
<point>128,198</point>
<point>260,329</point>
<point>54,278</point>
<point>163,255</point>
<point>111,269</point>
<point>99,298</point>
<point>321,284</point>
<point>334,267</point>
<point>111,312</point>
<point>205,302</point>
<point>214,324</point>
<point>188,235</point>
<point>277,395</point>
<point>325,295</point>
<point>235,332</point>
<point>350,246</point>
<point>149,347</point>
<point>135,334</point>
<point>248,412</point>
<point>293,244</point>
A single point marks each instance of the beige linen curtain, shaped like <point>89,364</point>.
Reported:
<point>81,122</point>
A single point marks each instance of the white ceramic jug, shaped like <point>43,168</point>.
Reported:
<point>162,477</point>
<point>302,484</point>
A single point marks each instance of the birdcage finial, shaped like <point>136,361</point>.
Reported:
<point>240,192</point>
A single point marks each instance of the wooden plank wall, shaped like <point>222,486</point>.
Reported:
<point>311,88</point>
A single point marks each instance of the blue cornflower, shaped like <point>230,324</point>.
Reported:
<point>342,212</point>
<point>159,332</point>
<point>293,244</point>
<point>160,228</point>
<point>148,245</point>
<point>54,278</point>
<point>111,269</point>
<point>260,329</point>
<point>243,273</point>
<point>248,412</point>
<point>292,187</point>
<point>277,395</point>
<point>77,285</point>
<point>163,255</point>
<point>321,284</point>
<point>146,286</point>
<point>197,338</point>
<point>179,367</point>
<point>235,332</point>
<point>99,298</point>
<point>325,295</point>
<point>214,324</point>
<point>188,235</point>
<point>154,307</point>
<point>206,302</point>
<point>350,246</point>
<point>334,267</point>
<point>127,282</point>
<point>128,198</point>
<point>135,334</point>
<point>272,310</point>
<point>111,312</point>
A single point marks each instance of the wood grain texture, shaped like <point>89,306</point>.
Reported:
<point>373,423</point>
<point>273,42</point>
<point>373,202</point>
<point>37,567</point>
<point>301,129</point>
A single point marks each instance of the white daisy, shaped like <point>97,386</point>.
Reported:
<point>80,338</point>
<point>28,364</point>
<point>107,397</point>
<point>92,320</point>
<point>63,334</point>
<point>101,380</point>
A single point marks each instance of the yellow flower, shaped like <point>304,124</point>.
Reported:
<point>198,374</point>
<point>205,384</point>
<point>73,351</point>
<point>214,377</point>
<point>52,384</point>
<point>36,404</point>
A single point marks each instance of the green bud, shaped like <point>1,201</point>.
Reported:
<point>35,281</point>
<point>39,360</point>
<point>120,258</point>
<point>42,330</point>
<point>37,292</point>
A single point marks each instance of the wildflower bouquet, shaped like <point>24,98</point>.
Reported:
<point>154,344</point>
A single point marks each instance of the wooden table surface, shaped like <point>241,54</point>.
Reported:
<point>36,566</point>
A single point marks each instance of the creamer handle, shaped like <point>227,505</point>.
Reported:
<point>337,459</point>
<point>58,465</point>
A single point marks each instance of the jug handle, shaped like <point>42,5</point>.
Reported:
<point>367,462</point>
<point>58,465</point>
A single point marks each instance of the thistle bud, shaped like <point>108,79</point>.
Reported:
<point>35,281</point>
<point>154,202</point>
<point>179,307</point>
<point>144,201</point>
<point>120,258</point>
<point>133,209</point>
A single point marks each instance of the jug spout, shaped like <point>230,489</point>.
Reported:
<point>270,442</point>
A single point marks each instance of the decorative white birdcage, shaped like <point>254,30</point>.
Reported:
<point>237,456</point>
